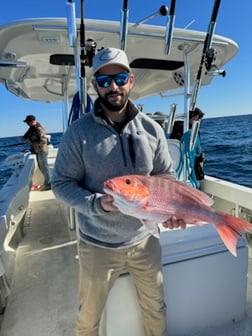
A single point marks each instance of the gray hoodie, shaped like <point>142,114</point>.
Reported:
<point>91,151</point>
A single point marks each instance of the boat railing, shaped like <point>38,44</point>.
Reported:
<point>229,197</point>
<point>14,198</point>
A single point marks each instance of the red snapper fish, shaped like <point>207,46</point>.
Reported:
<point>154,199</point>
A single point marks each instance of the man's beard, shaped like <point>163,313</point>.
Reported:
<point>114,107</point>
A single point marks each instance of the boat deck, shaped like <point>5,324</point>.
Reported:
<point>45,280</point>
<point>44,285</point>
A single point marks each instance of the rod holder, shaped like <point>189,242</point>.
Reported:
<point>195,131</point>
<point>124,28</point>
<point>71,23</point>
<point>171,118</point>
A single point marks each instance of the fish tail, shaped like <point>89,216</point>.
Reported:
<point>230,230</point>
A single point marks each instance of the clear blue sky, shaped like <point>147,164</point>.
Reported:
<point>225,96</point>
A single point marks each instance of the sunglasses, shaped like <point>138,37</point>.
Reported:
<point>120,79</point>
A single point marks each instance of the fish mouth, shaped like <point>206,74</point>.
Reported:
<point>109,185</point>
<point>109,188</point>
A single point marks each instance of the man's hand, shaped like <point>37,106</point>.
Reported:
<point>174,223</point>
<point>107,203</point>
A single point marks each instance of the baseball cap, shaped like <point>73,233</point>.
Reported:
<point>29,118</point>
<point>110,56</point>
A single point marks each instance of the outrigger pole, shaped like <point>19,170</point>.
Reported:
<point>206,47</point>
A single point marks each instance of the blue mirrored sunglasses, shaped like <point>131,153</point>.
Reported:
<point>120,79</point>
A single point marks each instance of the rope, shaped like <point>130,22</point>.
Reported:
<point>190,158</point>
<point>75,111</point>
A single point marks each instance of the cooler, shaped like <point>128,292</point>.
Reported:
<point>205,286</point>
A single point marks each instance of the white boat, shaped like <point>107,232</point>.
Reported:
<point>207,290</point>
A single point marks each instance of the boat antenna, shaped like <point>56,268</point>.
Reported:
<point>124,25</point>
<point>189,24</point>
<point>169,28</point>
<point>206,47</point>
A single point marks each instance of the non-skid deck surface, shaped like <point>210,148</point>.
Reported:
<point>43,296</point>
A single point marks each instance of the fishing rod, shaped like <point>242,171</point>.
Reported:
<point>206,48</point>
<point>83,86</point>
<point>86,59</point>
<point>124,25</point>
<point>82,57</point>
<point>169,29</point>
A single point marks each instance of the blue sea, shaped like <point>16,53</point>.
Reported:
<point>226,142</point>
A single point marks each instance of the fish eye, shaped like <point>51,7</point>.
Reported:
<point>127,181</point>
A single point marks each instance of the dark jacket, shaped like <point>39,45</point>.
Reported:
<point>36,138</point>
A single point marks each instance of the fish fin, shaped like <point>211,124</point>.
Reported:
<point>231,229</point>
<point>187,190</point>
<point>193,193</point>
<point>228,237</point>
<point>152,228</point>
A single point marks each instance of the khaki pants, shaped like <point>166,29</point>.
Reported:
<point>99,269</point>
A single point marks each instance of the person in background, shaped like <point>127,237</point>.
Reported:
<point>37,139</point>
<point>177,130</point>
<point>195,115</point>
<point>177,133</point>
<point>161,121</point>
<point>178,127</point>
<point>114,139</point>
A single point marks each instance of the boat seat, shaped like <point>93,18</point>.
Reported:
<point>174,150</point>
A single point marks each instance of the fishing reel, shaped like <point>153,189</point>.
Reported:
<point>212,69</point>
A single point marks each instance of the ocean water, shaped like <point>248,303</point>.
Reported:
<point>226,142</point>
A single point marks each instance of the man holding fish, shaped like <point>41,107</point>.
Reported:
<point>114,139</point>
